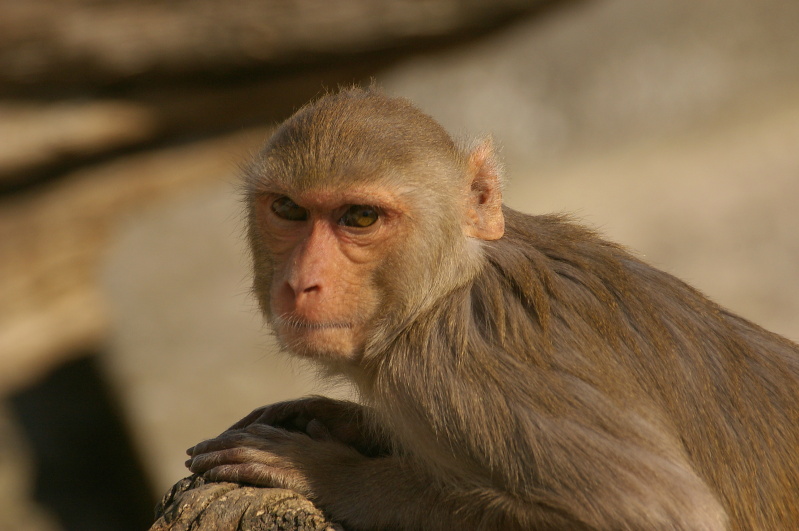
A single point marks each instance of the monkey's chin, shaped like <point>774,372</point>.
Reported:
<point>317,341</point>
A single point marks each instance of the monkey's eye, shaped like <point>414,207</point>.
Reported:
<point>359,216</point>
<point>285,208</point>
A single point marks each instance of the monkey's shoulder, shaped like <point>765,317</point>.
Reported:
<point>563,266</point>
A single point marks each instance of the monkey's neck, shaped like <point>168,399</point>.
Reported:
<point>504,303</point>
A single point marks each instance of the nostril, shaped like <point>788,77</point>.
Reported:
<point>297,288</point>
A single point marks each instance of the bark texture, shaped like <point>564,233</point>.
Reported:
<point>192,503</point>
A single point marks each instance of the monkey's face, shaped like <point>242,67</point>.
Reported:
<point>363,212</point>
<point>325,248</point>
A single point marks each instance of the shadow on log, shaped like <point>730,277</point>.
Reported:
<point>192,503</point>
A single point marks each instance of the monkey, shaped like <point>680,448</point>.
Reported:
<point>513,371</point>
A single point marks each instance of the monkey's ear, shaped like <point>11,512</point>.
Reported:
<point>485,219</point>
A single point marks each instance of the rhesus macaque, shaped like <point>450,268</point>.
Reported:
<point>515,371</point>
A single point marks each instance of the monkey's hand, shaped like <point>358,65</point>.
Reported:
<point>267,456</point>
<point>322,419</point>
<point>357,491</point>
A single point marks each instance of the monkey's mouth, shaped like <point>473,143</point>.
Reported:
<point>292,321</point>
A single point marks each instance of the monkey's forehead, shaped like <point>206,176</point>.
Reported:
<point>358,149</point>
<point>324,198</point>
<point>353,182</point>
<point>302,167</point>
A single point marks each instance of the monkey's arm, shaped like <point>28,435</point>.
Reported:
<point>328,451</point>
<point>623,485</point>
<point>390,492</point>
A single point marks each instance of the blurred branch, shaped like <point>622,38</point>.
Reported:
<point>51,243</point>
<point>98,42</point>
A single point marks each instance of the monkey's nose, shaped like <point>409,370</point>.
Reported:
<point>303,294</point>
<point>300,287</point>
<point>315,288</point>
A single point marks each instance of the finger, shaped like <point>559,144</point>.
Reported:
<point>258,436</point>
<point>252,473</point>
<point>203,462</point>
<point>250,436</point>
<point>259,475</point>
<point>228,439</point>
<point>275,414</point>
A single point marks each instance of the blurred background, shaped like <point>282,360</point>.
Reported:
<point>127,332</point>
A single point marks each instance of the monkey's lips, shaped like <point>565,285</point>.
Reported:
<point>317,339</point>
<point>299,323</point>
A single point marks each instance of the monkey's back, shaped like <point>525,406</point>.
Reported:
<point>725,387</point>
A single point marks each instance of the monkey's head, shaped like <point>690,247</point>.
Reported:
<point>362,211</point>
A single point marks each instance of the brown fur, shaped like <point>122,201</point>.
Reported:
<point>544,380</point>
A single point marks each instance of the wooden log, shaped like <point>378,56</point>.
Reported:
<point>192,503</point>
